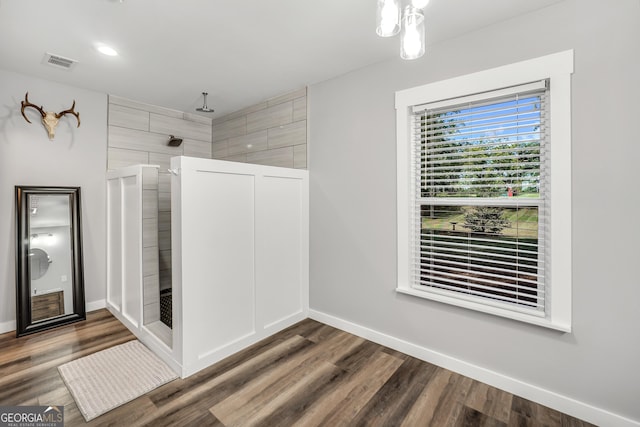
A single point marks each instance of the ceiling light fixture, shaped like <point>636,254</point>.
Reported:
<point>205,108</point>
<point>390,21</point>
<point>107,50</point>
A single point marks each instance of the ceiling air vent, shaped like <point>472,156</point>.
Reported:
<point>59,61</point>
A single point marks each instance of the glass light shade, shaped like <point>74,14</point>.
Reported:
<point>420,4</point>
<point>412,40</point>
<point>388,18</point>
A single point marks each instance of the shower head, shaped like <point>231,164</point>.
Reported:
<point>174,141</point>
<point>205,108</point>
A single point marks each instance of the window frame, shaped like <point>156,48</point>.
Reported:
<point>557,68</point>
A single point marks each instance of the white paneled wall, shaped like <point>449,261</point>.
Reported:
<point>133,292</point>
<point>132,245</point>
<point>273,132</point>
<point>241,256</point>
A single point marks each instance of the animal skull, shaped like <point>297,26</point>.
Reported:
<point>49,119</point>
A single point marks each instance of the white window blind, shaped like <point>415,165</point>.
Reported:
<point>480,190</point>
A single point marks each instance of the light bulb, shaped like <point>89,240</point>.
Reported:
<point>388,18</point>
<point>412,39</point>
<point>411,42</point>
<point>420,4</point>
<point>51,240</point>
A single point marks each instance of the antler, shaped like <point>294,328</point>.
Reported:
<point>26,104</point>
<point>70,111</point>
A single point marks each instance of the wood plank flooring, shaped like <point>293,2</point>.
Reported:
<point>308,375</point>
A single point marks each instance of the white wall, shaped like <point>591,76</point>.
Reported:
<point>353,239</point>
<point>76,157</point>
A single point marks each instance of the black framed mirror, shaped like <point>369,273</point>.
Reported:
<point>49,271</point>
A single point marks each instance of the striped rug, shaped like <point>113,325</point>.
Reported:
<point>109,378</point>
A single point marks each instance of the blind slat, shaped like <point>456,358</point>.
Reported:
<point>486,294</point>
<point>485,277</point>
<point>488,241</point>
<point>482,98</point>
<point>521,109</point>
<point>506,259</point>
<point>481,248</point>
<point>461,153</point>
<point>470,266</point>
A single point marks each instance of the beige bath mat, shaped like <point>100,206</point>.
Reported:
<point>105,380</point>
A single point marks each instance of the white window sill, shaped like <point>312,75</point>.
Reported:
<point>497,311</point>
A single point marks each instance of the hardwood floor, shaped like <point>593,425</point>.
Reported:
<point>308,375</point>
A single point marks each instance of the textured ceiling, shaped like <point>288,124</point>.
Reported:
<point>241,52</point>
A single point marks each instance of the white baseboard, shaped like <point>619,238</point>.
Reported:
<point>96,305</point>
<point>537,394</point>
<point>7,326</point>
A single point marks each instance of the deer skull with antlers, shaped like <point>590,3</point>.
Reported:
<point>49,119</point>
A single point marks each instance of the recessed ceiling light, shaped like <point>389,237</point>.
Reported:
<point>106,50</point>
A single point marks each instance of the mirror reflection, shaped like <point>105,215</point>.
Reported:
<point>50,256</point>
<point>39,262</point>
<point>49,280</point>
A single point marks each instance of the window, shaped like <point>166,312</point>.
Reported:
<point>484,192</point>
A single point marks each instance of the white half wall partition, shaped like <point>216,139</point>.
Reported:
<point>125,270</point>
<point>240,239</point>
<point>133,291</point>
<point>240,259</point>
<point>240,255</point>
